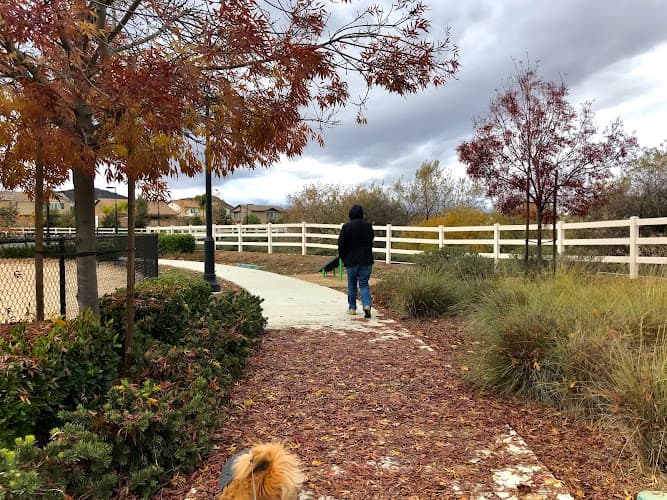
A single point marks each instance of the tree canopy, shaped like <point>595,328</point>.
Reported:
<point>138,89</point>
<point>534,148</point>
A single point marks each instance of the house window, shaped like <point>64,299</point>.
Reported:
<point>56,205</point>
<point>272,214</point>
<point>192,211</point>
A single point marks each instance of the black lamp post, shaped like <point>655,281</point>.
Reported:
<point>115,207</point>
<point>209,243</point>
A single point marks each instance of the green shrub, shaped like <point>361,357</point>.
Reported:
<point>175,243</point>
<point>154,429</point>
<point>74,463</point>
<point>27,251</point>
<point>238,312</point>
<point>216,349</point>
<point>50,366</point>
<point>164,306</point>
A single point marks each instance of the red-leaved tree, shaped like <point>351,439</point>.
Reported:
<point>534,149</point>
<point>122,79</point>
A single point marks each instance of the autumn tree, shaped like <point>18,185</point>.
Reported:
<point>434,190</point>
<point>254,77</point>
<point>534,149</point>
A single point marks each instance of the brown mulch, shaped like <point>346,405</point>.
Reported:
<point>377,420</point>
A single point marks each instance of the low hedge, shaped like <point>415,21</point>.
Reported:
<point>157,422</point>
<point>46,367</point>
<point>175,243</point>
<point>164,306</point>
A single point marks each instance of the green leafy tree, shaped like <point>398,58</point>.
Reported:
<point>251,219</point>
<point>141,212</point>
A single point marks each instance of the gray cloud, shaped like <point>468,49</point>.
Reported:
<point>572,39</point>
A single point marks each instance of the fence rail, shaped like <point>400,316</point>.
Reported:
<point>621,240</point>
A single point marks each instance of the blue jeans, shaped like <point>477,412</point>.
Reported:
<point>358,275</point>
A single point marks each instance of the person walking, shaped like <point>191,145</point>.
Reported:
<point>355,248</point>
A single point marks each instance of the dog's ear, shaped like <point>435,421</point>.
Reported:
<point>261,466</point>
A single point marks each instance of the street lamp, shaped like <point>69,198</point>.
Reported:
<point>115,207</point>
<point>209,243</point>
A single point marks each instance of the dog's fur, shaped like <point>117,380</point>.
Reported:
<point>276,473</point>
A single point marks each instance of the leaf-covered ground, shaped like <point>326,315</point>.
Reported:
<point>372,416</point>
<point>387,419</point>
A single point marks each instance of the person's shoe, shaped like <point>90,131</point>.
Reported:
<point>351,312</point>
<point>367,312</point>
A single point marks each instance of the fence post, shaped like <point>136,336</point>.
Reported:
<point>560,235</point>
<point>441,236</point>
<point>634,235</point>
<point>269,238</point>
<point>496,243</point>
<point>240,240</point>
<point>388,247</point>
<point>61,266</point>
<point>303,238</point>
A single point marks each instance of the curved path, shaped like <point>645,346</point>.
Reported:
<point>511,468</point>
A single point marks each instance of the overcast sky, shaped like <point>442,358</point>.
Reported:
<point>611,52</point>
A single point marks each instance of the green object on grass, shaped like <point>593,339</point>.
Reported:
<point>250,266</point>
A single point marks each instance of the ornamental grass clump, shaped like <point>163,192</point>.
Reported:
<point>424,294</point>
<point>593,345</point>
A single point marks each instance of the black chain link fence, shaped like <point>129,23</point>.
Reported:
<point>17,272</point>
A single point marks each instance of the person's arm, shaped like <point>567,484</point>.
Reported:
<point>341,244</point>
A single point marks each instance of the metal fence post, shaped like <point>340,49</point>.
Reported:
<point>61,266</point>
<point>269,238</point>
<point>634,235</point>
<point>388,245</point>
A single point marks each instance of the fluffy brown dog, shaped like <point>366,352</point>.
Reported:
<point>264,472</point>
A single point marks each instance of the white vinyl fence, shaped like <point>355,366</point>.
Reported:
<point>618,241</point>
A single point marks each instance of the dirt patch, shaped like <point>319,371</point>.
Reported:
<point>17,287</point>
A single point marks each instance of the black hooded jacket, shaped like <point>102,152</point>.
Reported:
<point>355,242</point>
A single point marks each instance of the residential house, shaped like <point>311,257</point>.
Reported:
<point>104,198</point>
<point>191,207</point>
<point>25,207</point>
<point>265,213</point>
<point>160,213</point>
<point>187,207</point>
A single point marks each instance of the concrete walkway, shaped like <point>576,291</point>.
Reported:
<point>293,303</point>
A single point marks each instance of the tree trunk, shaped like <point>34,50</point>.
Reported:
<point>554,236</point>
<point>540,218</point>
<point>39,232</point>
<point>129,318</point>
<point>86,262</point>
<point>525,256</point>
